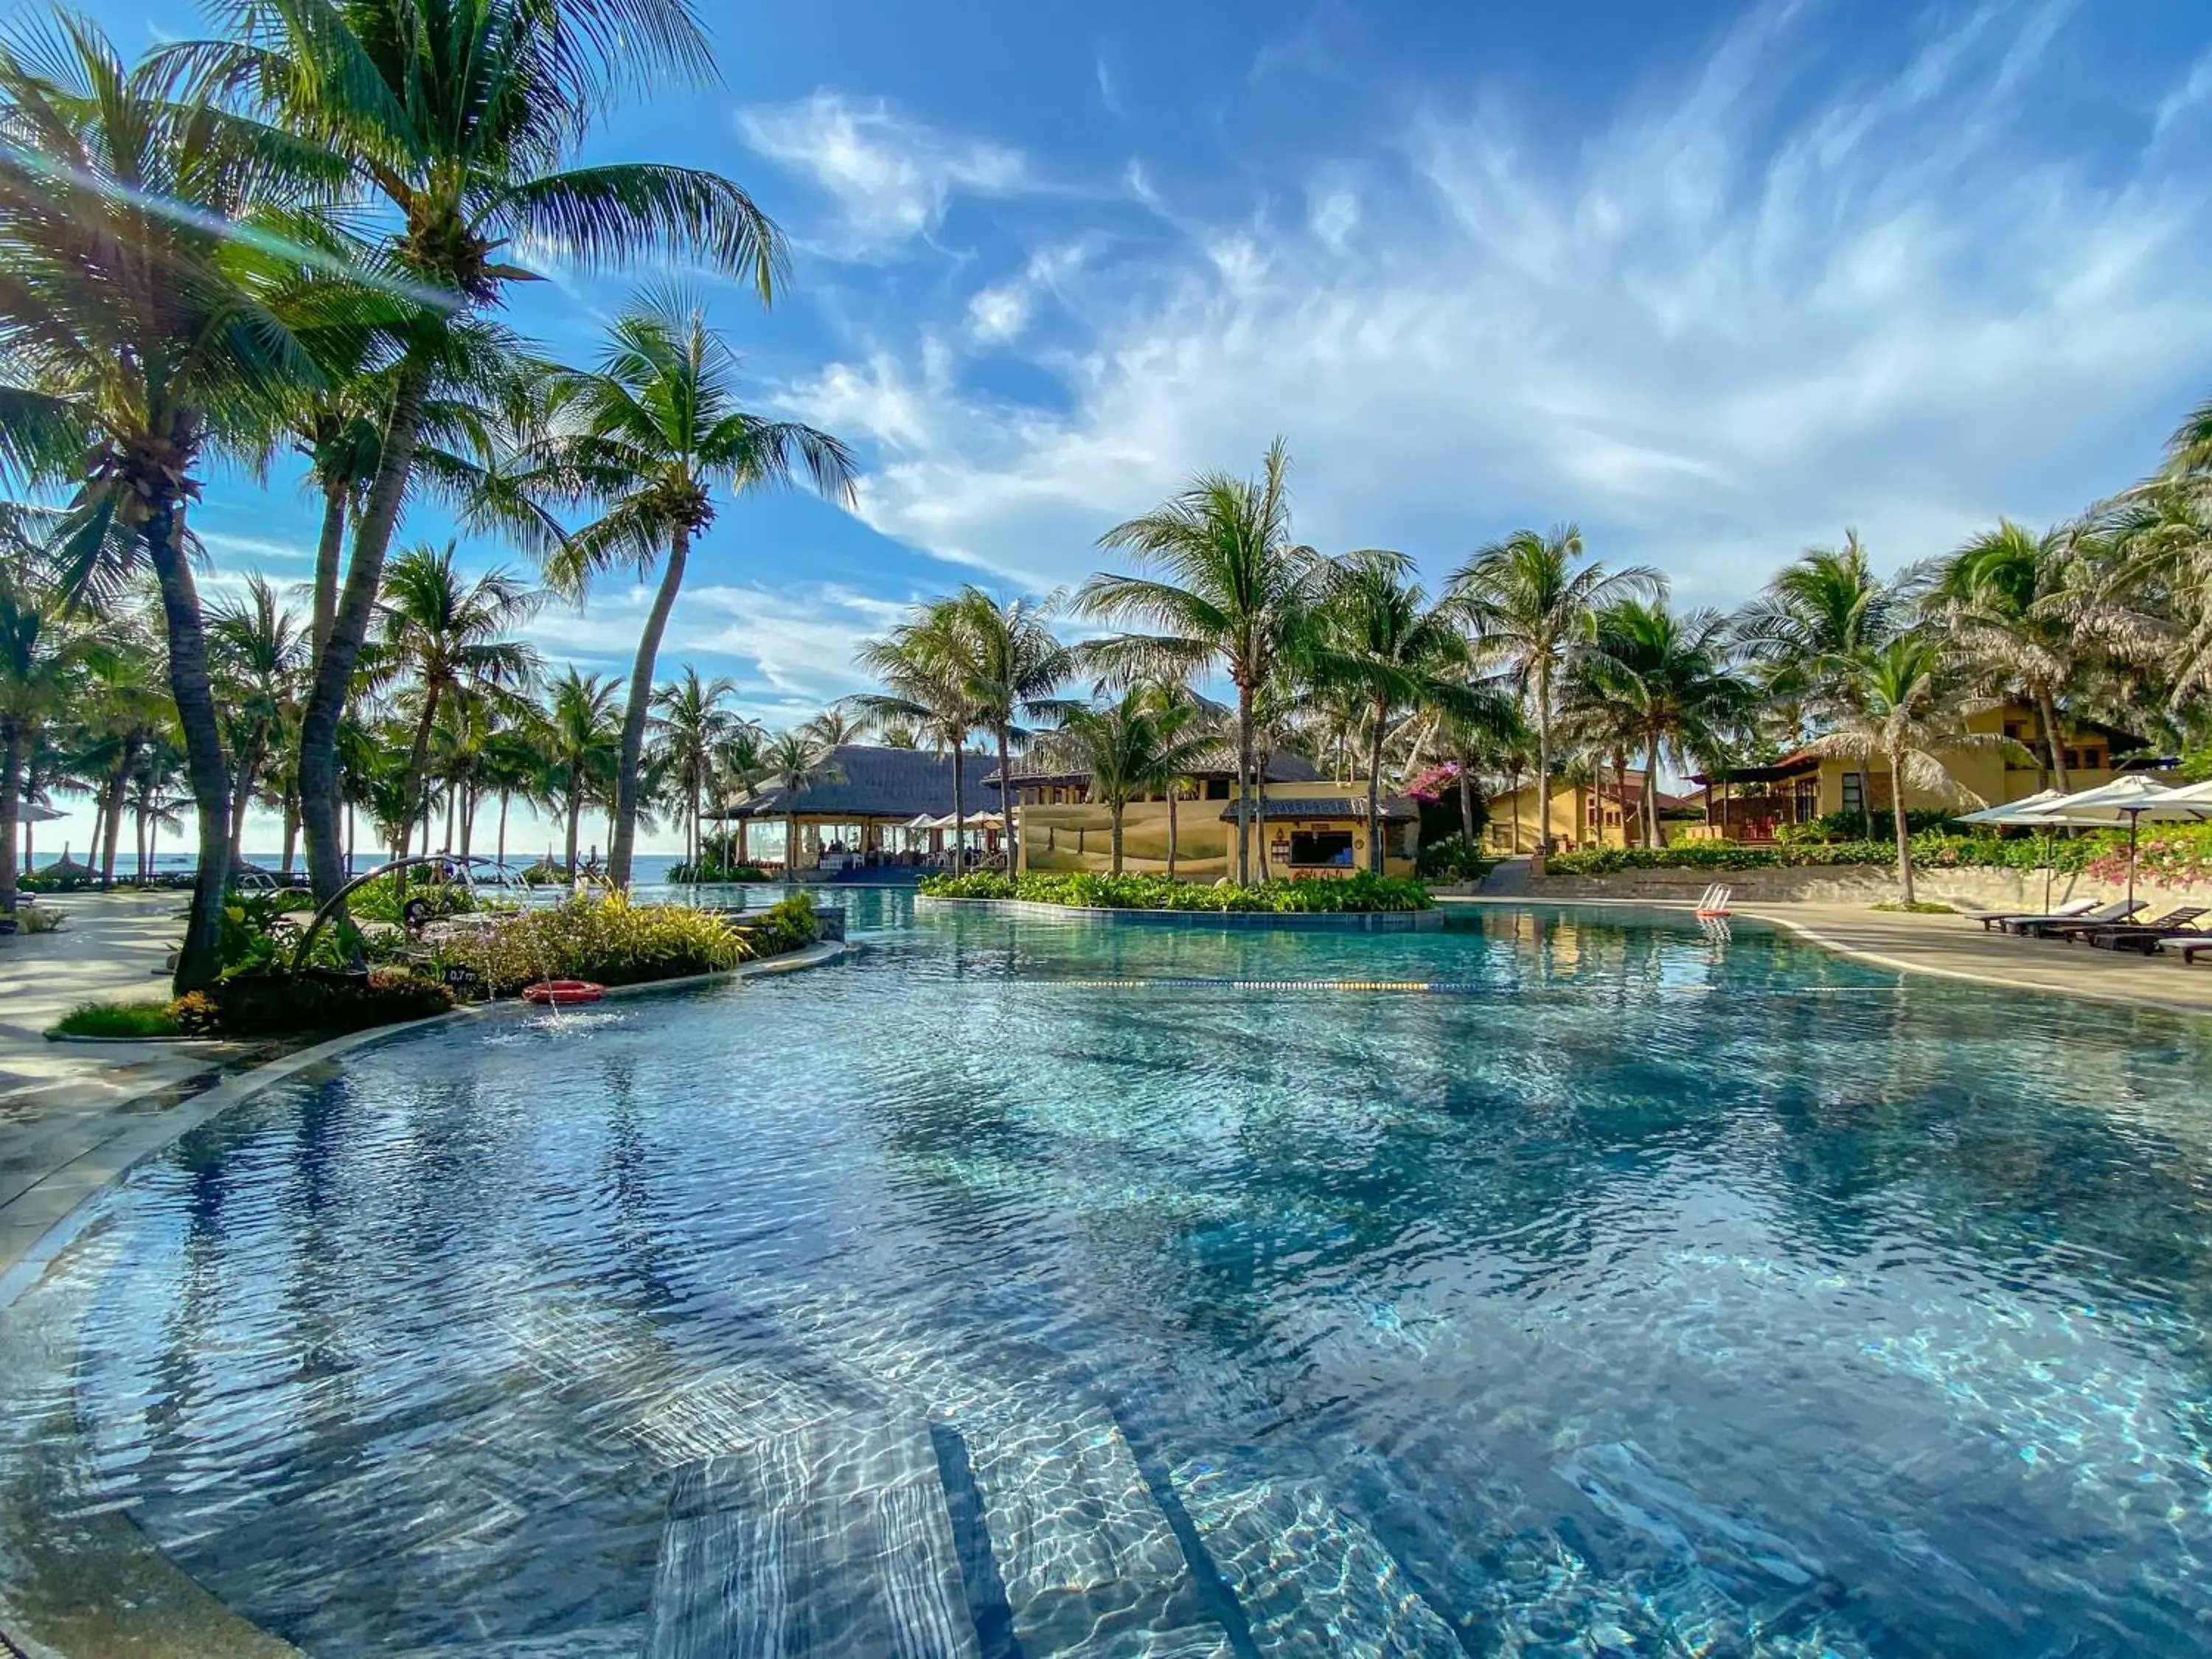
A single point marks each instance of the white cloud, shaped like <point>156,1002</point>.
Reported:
<point>254,547</point>
<point>1000,312</point>
<point>891,176</point>
<point>1746,311</point>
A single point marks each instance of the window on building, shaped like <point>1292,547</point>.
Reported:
<point>1854,792</point>
<point>2073,759</point>
<point>2093,759</point>
<point>1309,847</point>
<point>1217,789</point>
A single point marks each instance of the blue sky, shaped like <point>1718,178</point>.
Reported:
<point>1713,280</point>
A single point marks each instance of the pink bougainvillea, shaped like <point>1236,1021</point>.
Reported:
<point>1431,781</point>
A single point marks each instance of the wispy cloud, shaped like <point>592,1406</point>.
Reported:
<point>252,548</point>
<point>1752,308</point>
<point>890,177</point>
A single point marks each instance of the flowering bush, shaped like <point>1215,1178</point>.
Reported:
<point>2174,855</point>
<point>2102,854</point>
<point>609,940</point>
<point>1431,782</point>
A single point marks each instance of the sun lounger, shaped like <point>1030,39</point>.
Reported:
<point>1989,919</point>
<point>2057,926</point>
<point>2191,952</point>
<point>2145,937</point>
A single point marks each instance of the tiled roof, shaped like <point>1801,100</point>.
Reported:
<point>869,782</point>
<point>1327,807</point>
<point>1218,762</point>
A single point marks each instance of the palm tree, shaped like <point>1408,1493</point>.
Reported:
<point>790,761</point>
<point>738,767</point>
<point>1911,707</point>
<point>1233,592</point>
<point>694,730</point>
<point>581,743</point>
<point>447,636</point>
<point>259,650</point>
<point>43,650</point>
<point>514,763</point>
<point>657,429</point>
<point>930,665</point>
<point>1667,680</point>
<point>1999,604</point>
<point>140,333</point>
<point>834,728</point>
<point>1382,641</point>
<point>1020,664</point>
<point>1532,603</point>
<point>459,122</point>
<point>126,702</point>
<point>1146,742</point>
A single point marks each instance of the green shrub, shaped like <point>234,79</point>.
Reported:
<point>120,1019</point>
<point>1455,858</point>
<point>1083,888</point>
<point>604,939</point>
<point>258,933</point>
<point>711,868</point>
<point>432,900</point>
<point>1931,849</point>
<point>788,925</point>
<point>286,1005</point>
<point>1917,908</point>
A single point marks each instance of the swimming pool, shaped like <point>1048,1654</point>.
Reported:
<point>1636,1291</point>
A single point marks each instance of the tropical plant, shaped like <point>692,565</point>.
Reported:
<point>929,665</point>
<point>1017,667</point>
<point>652,432</point>
<point>140,325</point>
<point>1668,676</point>
<point>1999,604</point>
<point>1533,602</point>
<point>258,649</point>
<point>43,651</point>
<point>459,123</point>
<point>1143,744</point>
<point>694,730</point>
<point>789,762</point>
<point>580,742</point>
<point>1910,713</point>
<point>1233,592</point>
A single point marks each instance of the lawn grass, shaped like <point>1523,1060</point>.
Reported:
<point>119,1019</point>
<point>1918,908</point>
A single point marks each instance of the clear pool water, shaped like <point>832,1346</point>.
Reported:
<point>1645,1294</point>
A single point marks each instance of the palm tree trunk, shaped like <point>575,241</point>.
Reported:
<point>200,959</point>
<point>1466,805</point>
<point>1649,794</point>
<point>1620,795</point>
<point>744,850</point>
<point>790,845</point>
<point>696,838</point>
<point>291,833</point>
<point>1119,808</point>
<point>468,816</point>
<point>11,768</point>
<point>242,793</point>
<point>1173,790</point>
<point>1543,760</point>
<point>1243,783</point>
<point>2046,711</point>
<point>502,826</point>
<point>333,683</point>
<point>1512,790</point>
<point>1903,838</point>
<point>119,790</point>
<point>329,547</point>
<point>624,836</point>
<point>575,812</point>
<point>959,812</point>
<point>1375,789</point>
<point>1007,804</point>
<point>410,782</point>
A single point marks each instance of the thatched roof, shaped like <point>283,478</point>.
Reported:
<point>863,781</point>
<point>1218,762</point>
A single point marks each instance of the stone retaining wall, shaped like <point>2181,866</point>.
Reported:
<point>1970,888</point>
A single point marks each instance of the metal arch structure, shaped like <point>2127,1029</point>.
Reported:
<point>323,915</point>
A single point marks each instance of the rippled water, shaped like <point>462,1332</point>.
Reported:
<point>1644,1294</point>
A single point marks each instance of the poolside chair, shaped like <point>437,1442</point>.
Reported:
<point>2055,926</point>
<point>2191,952</point>
<point>1989,919</point>
<point>2177,923</point>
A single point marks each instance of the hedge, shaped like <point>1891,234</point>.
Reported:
<point>1361,891</point>
<point>2177,855</point>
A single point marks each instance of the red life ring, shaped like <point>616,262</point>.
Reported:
<point>557,991</point>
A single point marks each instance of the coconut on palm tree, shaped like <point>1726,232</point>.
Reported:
<point>654,432</point>
<point>1233,592</point>
<point>1532,602</point>
<point>460,124</point>
<point>141,333</point>
<point>1144,744</point>
<point>1910,712</point>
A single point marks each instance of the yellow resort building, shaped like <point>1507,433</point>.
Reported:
<point>1303,824</point>
<point>1593,812</point>
<point>1749,803</point>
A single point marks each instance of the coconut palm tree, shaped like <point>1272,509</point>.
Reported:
<point>1233,592</point>
<point>1910,709</point>
<point>789,762</point>
<point>1532,602</point>
<point>441,634</point>
<point>693,731</point>
<point>736,768</point>
<point>1144,743</point>
<point>580,741</point>
<point>930,666</point>
<point>654,432</point>
<point>460,123</point>
<point>125,702</point>
<point>140,331</point>
<point>1999,604</point>
<point>1669,686</point>
<point>44,650</point>
<point>258,649</point>
<point>1020,666</point>
<point>1380,639</point>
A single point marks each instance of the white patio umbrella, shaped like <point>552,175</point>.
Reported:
<point>2035,812</point>
<point>29,812</point>
<point>2131,798</point>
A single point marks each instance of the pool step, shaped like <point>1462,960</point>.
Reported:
<point>1315,1584</point>
<point>827,1540</point>
<point>1091,1567</point>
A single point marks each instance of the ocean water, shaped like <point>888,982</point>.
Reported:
<point>1631,1290</point>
